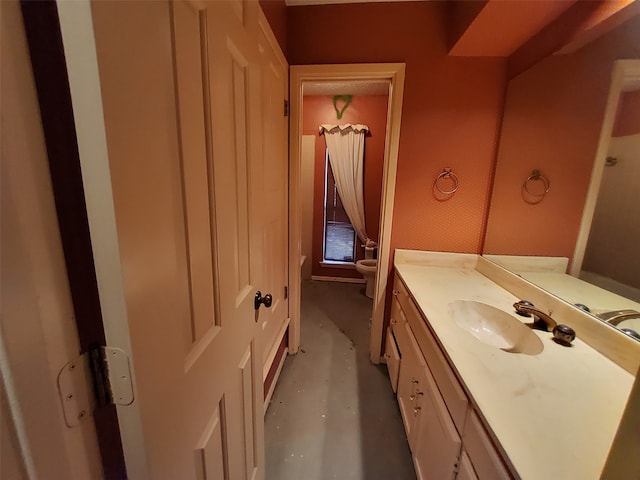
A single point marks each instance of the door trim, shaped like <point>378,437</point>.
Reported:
<point>394,73</point>
<point>80,56</point>
<point>43,29</point>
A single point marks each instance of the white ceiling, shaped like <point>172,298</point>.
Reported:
<point>353,87</point>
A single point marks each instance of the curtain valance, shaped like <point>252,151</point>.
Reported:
<point>347,127</point>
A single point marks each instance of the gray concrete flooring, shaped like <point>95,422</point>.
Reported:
<point>333,413</point>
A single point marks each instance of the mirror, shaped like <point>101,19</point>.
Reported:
<point>553,195</point>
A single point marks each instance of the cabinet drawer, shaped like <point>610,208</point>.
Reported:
<point>397,316</point>
<point>401,294</point>
<point>484,457</point>
<point>398,324</point>
<point>393,359</point>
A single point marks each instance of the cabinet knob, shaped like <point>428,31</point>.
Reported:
<point>417,409</point>
<point>393,321</point>
<point>414,380</point>
<point>415,395</point>
<point>396,292</point>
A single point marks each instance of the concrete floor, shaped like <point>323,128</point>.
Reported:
<point>333,413</point>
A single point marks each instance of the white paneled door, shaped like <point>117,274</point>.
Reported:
<point>192,94</point>
<point>269,184</point>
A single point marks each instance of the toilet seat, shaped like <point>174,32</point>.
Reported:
<point>367,266</point>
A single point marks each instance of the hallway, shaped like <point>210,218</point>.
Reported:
<point>333,414</point>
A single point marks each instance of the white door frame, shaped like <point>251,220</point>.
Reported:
<point>394,72</point>
<point>623,71</point>
<point>76,25</point>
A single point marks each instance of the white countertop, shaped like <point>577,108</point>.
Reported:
<point>554,414</point>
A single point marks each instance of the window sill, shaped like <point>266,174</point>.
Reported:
<point>330,264</point>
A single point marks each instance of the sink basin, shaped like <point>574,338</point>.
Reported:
<point>494,327</point>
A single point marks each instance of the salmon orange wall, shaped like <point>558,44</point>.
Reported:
<point>449,117</point>
<point>628,115</point>
<point>372,111</point>
<point>276,13</point>
<point>552,120</point>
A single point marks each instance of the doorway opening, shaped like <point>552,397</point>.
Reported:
<point>331,387</point>
<point>331,245</point>
<point>332,81</point>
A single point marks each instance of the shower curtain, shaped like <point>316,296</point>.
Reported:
<point>345,144</point>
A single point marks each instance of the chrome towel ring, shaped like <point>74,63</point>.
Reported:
<point>530,189</point>
<point>447,174</point>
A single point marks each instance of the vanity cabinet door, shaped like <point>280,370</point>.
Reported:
<point>465,469</point>
<point>437,444</point>
<point>392,356</point>
<point>486,461</point>
<point>410,382</point>
<point>403,308</point>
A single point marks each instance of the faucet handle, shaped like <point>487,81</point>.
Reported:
<point>582,307</point>
<point>564,334</point>
<point>523,303</point>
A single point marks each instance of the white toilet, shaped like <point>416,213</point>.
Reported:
<point>368,268</point>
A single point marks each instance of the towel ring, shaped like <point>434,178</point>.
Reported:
<point>536,176</point>
<point>447,173</point>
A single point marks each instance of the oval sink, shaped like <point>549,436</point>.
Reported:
<point>495,327</point>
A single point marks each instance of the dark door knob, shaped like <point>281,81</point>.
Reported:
<point>260,300</point>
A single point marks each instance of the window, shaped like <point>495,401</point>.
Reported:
<point>339,235</point>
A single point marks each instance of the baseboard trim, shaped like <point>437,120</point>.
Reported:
<point>273,351</point>
<point>274,381</point>
<point>322,278</point>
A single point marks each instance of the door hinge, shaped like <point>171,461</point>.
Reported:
<point>286,292</point>
<point>99,377</point>
<point>286,107</point>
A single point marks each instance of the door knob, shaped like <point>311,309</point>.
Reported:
<point>259,300</point>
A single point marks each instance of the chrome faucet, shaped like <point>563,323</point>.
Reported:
<point>541,320</point>
<point>616,316</point>
<point>562,334</point>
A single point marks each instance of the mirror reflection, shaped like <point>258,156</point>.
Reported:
<point>575,119</point>
<point>612,259</point>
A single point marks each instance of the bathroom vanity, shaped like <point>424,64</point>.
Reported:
<point>475,407</point>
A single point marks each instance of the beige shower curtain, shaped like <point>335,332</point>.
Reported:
<point>345,144</point>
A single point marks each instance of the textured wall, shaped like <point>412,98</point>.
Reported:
<point>450,112</point>
<point>276,13</point>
